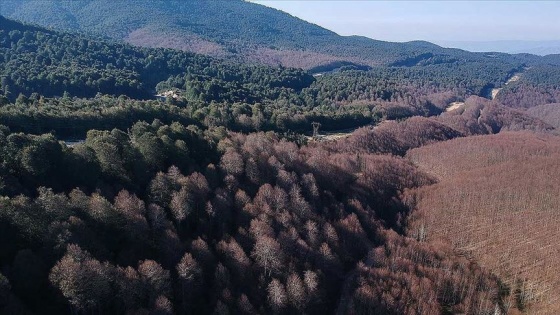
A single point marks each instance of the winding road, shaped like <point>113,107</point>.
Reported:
<point>514,78</point>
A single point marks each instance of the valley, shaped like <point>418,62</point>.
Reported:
<point>222,157</point>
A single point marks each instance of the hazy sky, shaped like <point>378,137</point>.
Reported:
<point>432,20</point>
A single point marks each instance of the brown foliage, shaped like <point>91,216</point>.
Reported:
<point>477,116</point>
<point>279,228</point>
<point>407,277</point>
<point>268,255</point>
<point>528,95</point>
<point>481,116</point>
<point>84,281</point>
<point>398,137</point>
<point>549,113</point>
<point>155,278</point>
<point>497,201</point>
<point>277,296</point>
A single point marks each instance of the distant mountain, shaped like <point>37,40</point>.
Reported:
<point>227,29</point>
<point>540,48</point>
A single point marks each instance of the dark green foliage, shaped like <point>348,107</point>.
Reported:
<point>411,86</point>
<point>235,83</point>
<point>116,157</point>
<point>234,29</point>
<point>215,93</point>
<point>52,64</point>
<point>72,118</point>
<point>538,85</point>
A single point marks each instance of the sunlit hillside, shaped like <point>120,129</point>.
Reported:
<point>496,201</point>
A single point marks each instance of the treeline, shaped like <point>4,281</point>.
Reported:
<point>52,63</point>
<point>70,117</point>
<point>168,219</point>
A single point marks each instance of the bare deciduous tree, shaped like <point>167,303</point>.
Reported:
<point>268,254</point>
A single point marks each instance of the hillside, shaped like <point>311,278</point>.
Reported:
<point>430,196</point>
<point>496,201</point>
<point>549,113</point>
<point>229,29</point>
<point>38,64</point>
<point>537,85</point>
<point>49,63</point>
<point>477,116</point>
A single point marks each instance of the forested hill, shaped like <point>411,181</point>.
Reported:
<point>50,63</point>
<point>228,29</point>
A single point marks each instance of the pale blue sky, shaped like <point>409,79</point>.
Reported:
<point>431,20</point>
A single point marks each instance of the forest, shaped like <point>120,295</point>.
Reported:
<point>250,32</point>
<point>487,209</point>
<point>213,197</point>
<point>171,218</point>
<point>236,30</point>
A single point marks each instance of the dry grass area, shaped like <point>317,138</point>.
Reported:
<point>495,92</point>
<point>332,135</point>
<point>515,78</point>
<point>454,106</point>
<point>498,201</point>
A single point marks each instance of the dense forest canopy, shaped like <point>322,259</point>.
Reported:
<point>211,199</point>
<point>485,197</point>
<point>38,64</point>
<point>232,29</point>
<point>51,63</point>
<point>170,217</point>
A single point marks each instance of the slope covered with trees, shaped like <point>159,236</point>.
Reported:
<point>550,113</point>
<point>38,64</point>
<point>50,63</point>
<point>496,201</point>
<point>168,218</point>
<point>537,86</point>
<point>231,29</point>
<point>477,116</point>
<point>213,202</point>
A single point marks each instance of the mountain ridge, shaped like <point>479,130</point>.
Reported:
<point>239,30</point>
<point>537,47</point>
